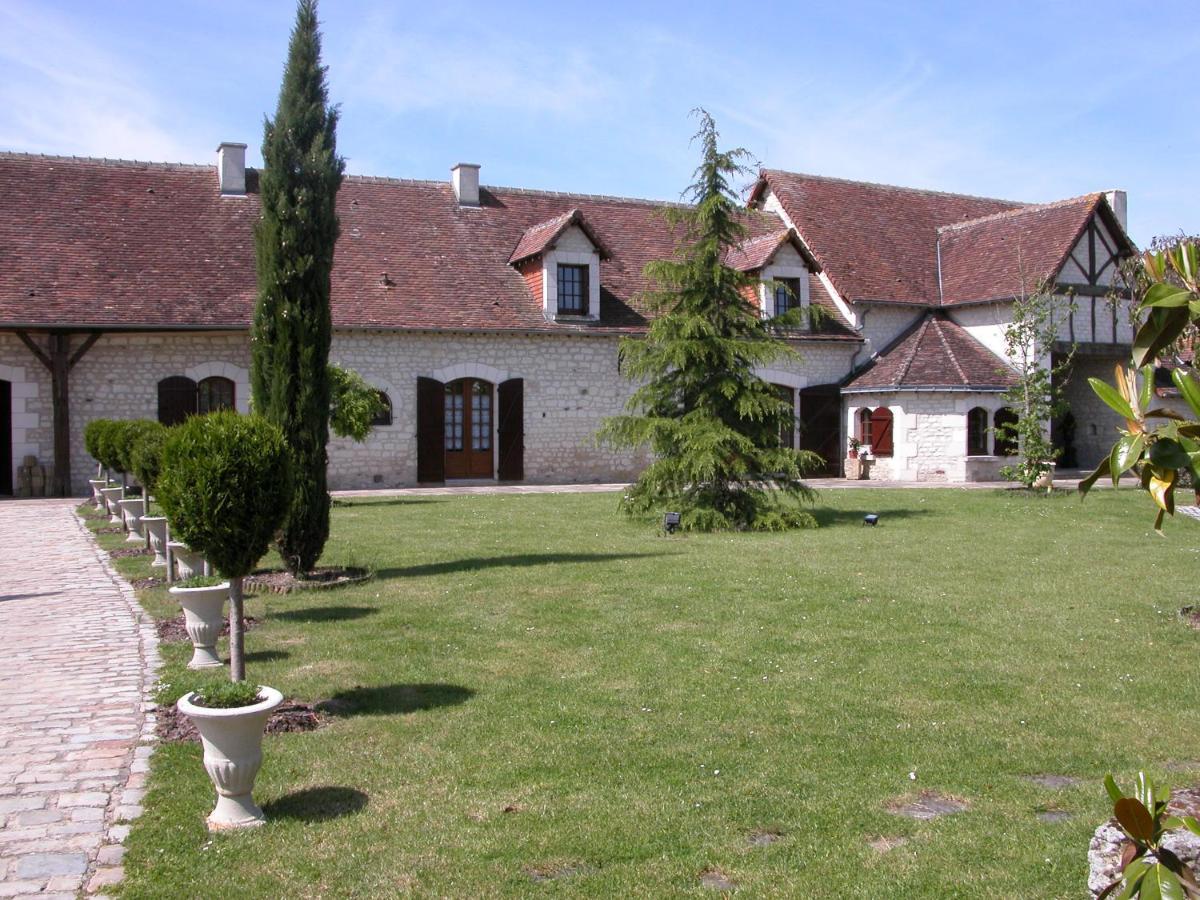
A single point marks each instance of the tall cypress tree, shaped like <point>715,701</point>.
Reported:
<point>294,240</point>
<point>713,425</point>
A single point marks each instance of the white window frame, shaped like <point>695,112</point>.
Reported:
<point>550,264</point>
<point>766,289</point>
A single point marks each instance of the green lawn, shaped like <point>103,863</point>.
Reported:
<point>535,685</point>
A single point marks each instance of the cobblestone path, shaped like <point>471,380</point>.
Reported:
<point>76,658</point>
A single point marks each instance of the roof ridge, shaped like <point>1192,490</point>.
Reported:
<point>104,160</point>
<point>950,354</point>
<point>897,187</point>
<point>1093,197</point>
<point>917,335</point>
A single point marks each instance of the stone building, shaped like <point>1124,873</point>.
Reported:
<point>491,317</point>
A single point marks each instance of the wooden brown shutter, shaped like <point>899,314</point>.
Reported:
<point>6,448</point>
<point>881,432</point>
<point>512,429</point>
<point>431,436</point>
<point>176,399</point>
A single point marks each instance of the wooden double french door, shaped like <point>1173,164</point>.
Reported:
<point>468,428</point>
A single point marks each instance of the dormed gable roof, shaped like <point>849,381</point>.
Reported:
<point>756,253</point>
<point>935,353</point>
<point>541,237</point>
<point>874,241</point>
<point>91,243</point>
<point>1011,254</point>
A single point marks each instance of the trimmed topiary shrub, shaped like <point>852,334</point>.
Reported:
<point>145,456</point>
<point>93,434</point>
<point>225,484</point>
<point>106,438</point>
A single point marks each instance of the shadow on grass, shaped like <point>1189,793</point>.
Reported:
<point>267,656</point>
<point>827,518</point>
<point>325,613</point>
<point>516,561</point>
<point>346,502</point>
<point>394,699</point>
<point>317,804</point>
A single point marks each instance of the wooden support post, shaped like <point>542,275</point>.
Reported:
<point>59,362</point>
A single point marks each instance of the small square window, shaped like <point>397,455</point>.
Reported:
<point>572,290</point>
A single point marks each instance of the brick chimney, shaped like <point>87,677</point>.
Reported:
<point>465,179</point>
<point>231,168</point>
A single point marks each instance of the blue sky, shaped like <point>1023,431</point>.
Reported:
<point>1028,101</point>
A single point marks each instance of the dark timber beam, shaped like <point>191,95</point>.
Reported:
<point>59,361</point>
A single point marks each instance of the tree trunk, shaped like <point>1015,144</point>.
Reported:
<point>237,640</point>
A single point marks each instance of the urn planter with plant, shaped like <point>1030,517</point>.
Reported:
<point>203,602</point>
<point>145,458</point>
<point>225,484</point>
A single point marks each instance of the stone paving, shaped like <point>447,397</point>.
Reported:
<point>75,727</point>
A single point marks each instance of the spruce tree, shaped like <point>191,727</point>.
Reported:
<point>713,426</point>
<point>294,241</point>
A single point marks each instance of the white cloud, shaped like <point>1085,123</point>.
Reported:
<point>62,94</point>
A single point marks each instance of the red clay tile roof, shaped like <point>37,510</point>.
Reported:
<point>755,253</point>
<point>541,237</point>
<point>120,244</point>
<point>1011,254</point>
<point>936,353</point>
<point>875,241</point>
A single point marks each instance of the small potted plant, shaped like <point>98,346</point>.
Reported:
<point>225,485</point>
<point>231,717</point>
<point>203,601</point>
<point>91,442</point>
<point>855,444</point>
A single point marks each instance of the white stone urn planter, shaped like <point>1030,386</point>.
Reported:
<point>232,740</point>
<point>98,484</point>
<point>1045,481</point>
<point>203,616</point>
<point>156,531</point>
<point>112,497</point>
<point>188,562</point>
<point>132,511</point>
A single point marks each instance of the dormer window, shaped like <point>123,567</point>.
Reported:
<point>787,295</point>
<point>573,293</point>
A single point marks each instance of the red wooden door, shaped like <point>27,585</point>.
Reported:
<point>468,429</point>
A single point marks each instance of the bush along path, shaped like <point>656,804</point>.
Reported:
<point>74,729</point>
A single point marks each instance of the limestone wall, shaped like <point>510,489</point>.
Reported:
<point>571,384</point>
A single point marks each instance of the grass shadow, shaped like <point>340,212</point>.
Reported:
<point>267,655</point>
<point>317,804</point>
<point>394,699</point>
<point>325,613</point>
<point>346,502</point>
<point>520,560</point>
<point>827,517</point>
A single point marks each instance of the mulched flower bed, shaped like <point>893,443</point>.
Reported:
<point>144,584</point>
<point>291,716</point>
<point>283,582</point>
<point>170,630</point>
<point>111,529</point>
<point>124,552</point>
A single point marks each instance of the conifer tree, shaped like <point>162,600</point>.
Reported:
<point>713,426</point>
<point>294,241</point>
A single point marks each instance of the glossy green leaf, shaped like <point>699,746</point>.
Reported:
<point>1125,452</point>
<point>1143,790</point>
<point>1134,818</point>
<point>1087,483</point>
<point>1146,388</point>
<point>1110,395</point>
<point>1135,873</point>
<point>1189,388</point>
<point>1190,823</point>
<point>1161,328</point>
<point>1169,454</point>
<point>1165,294</point>
<point>1114,792</point>
<point>1164,881</point>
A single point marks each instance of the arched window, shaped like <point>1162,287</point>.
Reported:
<point>875,428</point>
<point>214,393</point>
<point>977,432</point>
<point>1006,440</point>
<point>384,417</point>
<point>176,399</point>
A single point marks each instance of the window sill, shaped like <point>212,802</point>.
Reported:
<point>567,319</point>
